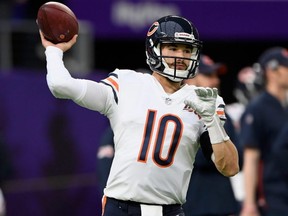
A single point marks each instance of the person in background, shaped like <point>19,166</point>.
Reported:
<point>277,172</point>
<point>104,157</point>
<point>263,119</point>
<point>248,85</point>
<point>206,184</point>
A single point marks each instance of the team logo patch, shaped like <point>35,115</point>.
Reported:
<point>153,29</point>
<point>249,119</point>
<point>189,109</point>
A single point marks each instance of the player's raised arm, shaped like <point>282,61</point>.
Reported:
<point>225,155</point>
<point>63,85</point>
<point>59,80</point>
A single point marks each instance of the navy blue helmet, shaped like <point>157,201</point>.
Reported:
<point>172,29</point>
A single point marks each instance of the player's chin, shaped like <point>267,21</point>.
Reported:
<point>181,67</point>
<point>178,66</point>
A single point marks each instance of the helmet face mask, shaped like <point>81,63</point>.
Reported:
<point>172,30</point>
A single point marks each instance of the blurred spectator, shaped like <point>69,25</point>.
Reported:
<point>210,193</point>
<point>249,84</point>
<point>208,73</point>
<point>261,123</point>
<point>105,154</point>
<point>277,176</point>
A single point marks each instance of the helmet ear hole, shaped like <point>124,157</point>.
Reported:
<point>153,61</point>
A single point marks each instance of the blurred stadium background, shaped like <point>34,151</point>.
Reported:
<point>50,145</point>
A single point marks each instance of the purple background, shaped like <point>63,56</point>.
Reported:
<point>49,179</point>
<point>27,107</point>
<point>214,19</point>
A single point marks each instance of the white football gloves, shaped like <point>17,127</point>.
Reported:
<point>205,106</point>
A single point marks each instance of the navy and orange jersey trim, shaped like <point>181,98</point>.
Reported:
<point>221,112</point>
<point>104,202</point>
<point>112,81</point>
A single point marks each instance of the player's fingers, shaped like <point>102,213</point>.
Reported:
<point>41,34</point>
<point>74,39</point>
<point>190,103</point>
<point>45,42</point>
<point>209,92</point>
<point>67,45</point>
<point>200,91</point>
<point>215,92</point>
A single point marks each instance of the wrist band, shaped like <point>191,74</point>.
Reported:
<point>216,131</point>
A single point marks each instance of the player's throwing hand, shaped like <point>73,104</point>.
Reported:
<point>64,46</point>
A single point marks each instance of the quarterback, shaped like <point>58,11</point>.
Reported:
<point>159,123</point>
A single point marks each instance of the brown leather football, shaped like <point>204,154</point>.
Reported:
<point>57,22</point>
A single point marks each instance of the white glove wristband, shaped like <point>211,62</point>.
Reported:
<point>216,131</point>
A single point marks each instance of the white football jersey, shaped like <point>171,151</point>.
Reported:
<point>156,139</point>
<point>156,136</point>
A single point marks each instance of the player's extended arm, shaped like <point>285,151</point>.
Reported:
<point>225,155</point>
<point>86,93</point>
<point>59,80</point>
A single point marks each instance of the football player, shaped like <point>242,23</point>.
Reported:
<point>158,123</point>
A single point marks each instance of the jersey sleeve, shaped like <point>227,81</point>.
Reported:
<point>59,80</point>
<point>220,109</point>
<point>89,94</point>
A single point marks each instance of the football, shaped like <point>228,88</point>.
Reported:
<point>57,22</point>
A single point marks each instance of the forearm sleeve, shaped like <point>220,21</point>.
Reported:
<point>86,93</point>
<point>59,80</point>
<point>216,131</point>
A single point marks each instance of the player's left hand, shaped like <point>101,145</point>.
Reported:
<point>205,103</point>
